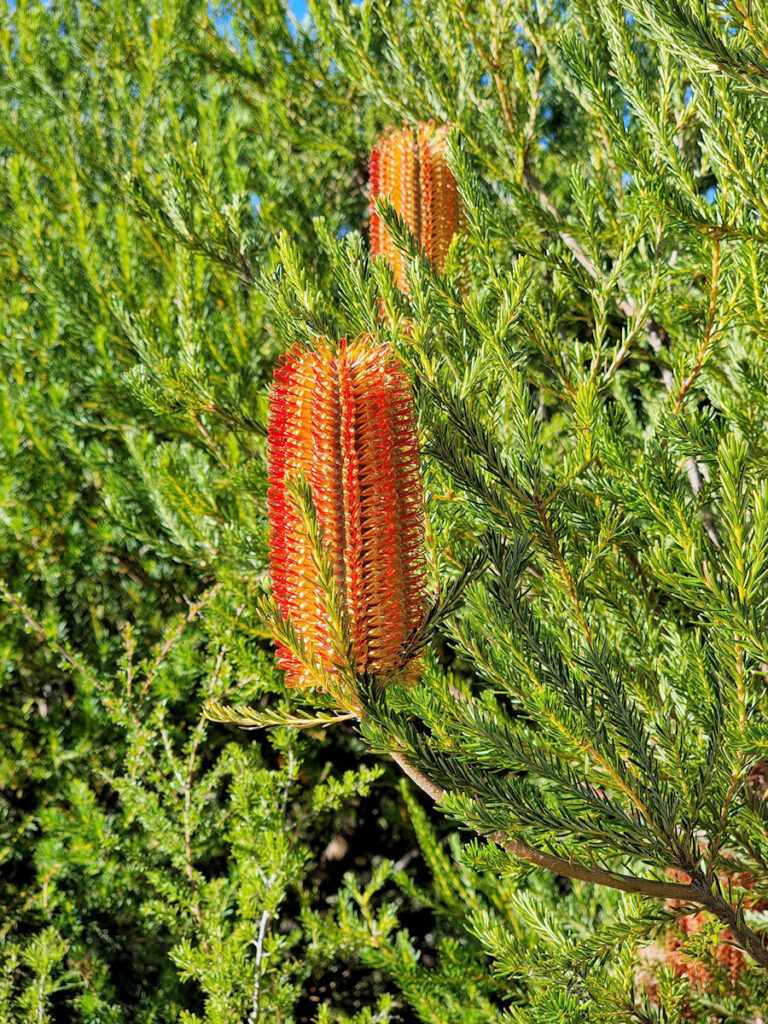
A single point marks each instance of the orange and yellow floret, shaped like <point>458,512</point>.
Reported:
<point>410,168</point>
<point>345,419</point>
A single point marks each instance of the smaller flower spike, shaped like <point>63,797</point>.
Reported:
<point>345,419</point>
<point>409,167</point>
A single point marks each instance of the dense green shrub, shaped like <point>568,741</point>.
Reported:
<point>182,196</point>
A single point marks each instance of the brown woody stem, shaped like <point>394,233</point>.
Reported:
<point>696,891</point>
<point>561,866</point>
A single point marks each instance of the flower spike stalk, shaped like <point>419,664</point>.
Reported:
<point>409,167</point>
<point>345,420</point>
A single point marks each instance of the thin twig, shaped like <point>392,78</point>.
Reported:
<point>259,943</point>
<point>655,334</point>
<point>266,915</point>
<point>194,611</point>
<point>691,379</point>
<point>492,62</point>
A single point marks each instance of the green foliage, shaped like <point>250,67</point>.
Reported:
<point>182,197</point>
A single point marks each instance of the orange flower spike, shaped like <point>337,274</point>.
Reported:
<point>442,215</point>
<point>393,173</point>
<point>346,420</point>
<point>410,168</point>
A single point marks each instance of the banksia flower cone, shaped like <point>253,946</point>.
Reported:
<point>345,420</point>
<point>410,168</point>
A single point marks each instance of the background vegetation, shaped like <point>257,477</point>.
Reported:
<point>182,195</point>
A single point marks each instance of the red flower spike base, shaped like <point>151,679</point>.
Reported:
<point>409,167</point>
<point>345,419</point>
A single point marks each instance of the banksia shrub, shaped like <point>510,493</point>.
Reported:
<point>345,420</point>
<point>409,167</point>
